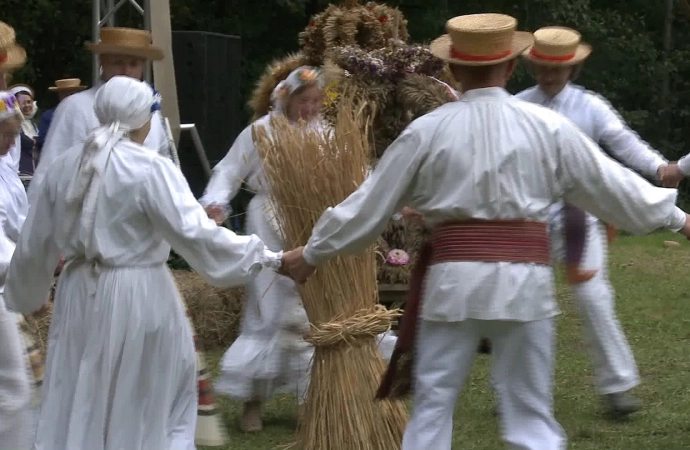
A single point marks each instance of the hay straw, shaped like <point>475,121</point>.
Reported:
<point>215,312</point>
<point>309,172</point>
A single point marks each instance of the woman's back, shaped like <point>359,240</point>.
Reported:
<point>129,200</point>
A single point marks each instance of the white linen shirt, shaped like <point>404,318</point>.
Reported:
<point>490,156</point>
<point>601,122</point>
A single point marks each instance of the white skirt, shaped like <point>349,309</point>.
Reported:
<point>121,367</point>
<point>15,388</point>
<point>270,356</point>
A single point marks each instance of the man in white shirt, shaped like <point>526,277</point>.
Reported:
<point>122,51</point>
<point>484,172</point>
<point>555,59</point>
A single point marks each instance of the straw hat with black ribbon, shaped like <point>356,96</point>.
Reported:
<point>557,46</point>
<point>481,40</point>
<point>67,85</point>
<point>12,56</point>
<point>127,42</point>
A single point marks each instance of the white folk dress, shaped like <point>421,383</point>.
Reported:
<point>269,356</point>
<point>15,396</point>
<point>120,371</point>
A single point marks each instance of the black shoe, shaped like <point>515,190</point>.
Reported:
<point>622,404</point>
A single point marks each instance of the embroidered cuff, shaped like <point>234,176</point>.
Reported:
<point>272,260</point>
<point>677,220</point>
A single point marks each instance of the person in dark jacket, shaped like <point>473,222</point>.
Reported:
<point>64,89</point>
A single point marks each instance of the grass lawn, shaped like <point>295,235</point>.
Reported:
<point>653,302</point>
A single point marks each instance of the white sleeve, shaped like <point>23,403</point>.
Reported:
<point>613,193</point>
<point>625,144</point>
<point>6,246</point>
<point>31,271</point>
<point>684,165</point>
<point>232,171</point>
<point>220,256</point>
<point>359,220</point>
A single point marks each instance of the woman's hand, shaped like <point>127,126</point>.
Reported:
<point>216,213</point>
<point>412,215</point>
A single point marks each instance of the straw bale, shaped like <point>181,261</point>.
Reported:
<point>215,312</point>
<point>341,298</point>
<point>37,325</point>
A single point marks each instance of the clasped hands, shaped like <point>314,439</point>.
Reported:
<point>295,266</point>
<point>670,175</point>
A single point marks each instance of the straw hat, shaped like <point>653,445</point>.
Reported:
<point>12,56</point>
<point>557,46</point>
<point>481,40</point>
<point>67,85</point>
<point>126,41</point>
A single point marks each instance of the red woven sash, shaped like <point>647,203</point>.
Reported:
<point>513,241</point>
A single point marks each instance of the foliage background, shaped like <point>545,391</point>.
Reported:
<point>634,63</point>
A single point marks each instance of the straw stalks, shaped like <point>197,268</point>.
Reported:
<point>309,172</point>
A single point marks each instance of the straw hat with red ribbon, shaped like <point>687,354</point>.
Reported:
<point>128,42</point>
<point>67,85</point>
<point>481,40</point>
<point>12,56</point>
<point>557,46</point>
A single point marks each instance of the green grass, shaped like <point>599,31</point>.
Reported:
<point>653,301</point>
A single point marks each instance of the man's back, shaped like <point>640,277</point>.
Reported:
<point>489,156</point>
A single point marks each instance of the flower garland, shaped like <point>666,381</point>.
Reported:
<point>391,63</point>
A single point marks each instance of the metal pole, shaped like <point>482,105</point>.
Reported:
<point>148,72</point>
<point>95,27</point>
<point>110,6</point>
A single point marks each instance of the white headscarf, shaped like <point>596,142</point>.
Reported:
<point>302,76</point>
<point>123,104</point>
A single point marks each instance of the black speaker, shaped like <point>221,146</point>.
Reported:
<point>208,69</point>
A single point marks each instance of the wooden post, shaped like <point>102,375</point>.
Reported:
<point>164,71</point>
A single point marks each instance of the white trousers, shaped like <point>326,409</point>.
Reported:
<point>522,365</point>
<point>614,364</point>
<point>15,388</point>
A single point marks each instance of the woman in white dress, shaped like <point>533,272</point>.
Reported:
<point>120,371</point>
<point>15,390</point>
<point>270,355</point>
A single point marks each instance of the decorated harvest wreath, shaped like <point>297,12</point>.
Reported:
<point>364,49</point>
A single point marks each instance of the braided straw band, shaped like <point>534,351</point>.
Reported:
<point>364,323</point>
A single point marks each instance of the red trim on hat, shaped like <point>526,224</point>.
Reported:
<point>535,54</point>
<point>467,57</point>
<point>4,58</point>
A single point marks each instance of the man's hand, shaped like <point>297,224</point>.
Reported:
<point>295,266</point>
<point>412,215</point>
<point>215,213</point>
<point>670,175</point>
<point>59,267</point>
